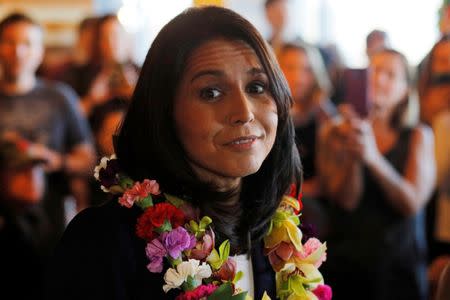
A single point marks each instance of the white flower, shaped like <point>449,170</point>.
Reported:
<point>175,278</point>
<point>102,165</point>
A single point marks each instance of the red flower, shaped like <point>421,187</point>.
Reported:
<point>293,193</point>
<point>166,211</point>
<point>144,226</point>
<point>155,216</point>
<point>198,293</point>
<point>300,203</point>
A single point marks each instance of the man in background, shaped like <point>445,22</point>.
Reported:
<point>43,113</point>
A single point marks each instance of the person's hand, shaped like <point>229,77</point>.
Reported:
<point>99,92</point>
<point>54,160</point>
<point>361,142</point>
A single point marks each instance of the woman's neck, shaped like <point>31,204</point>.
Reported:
<point>219,182</point>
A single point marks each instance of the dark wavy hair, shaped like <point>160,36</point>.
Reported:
<point>147,145</point>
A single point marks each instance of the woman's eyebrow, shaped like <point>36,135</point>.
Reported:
<point>216,73</point>
<point>256,71</point>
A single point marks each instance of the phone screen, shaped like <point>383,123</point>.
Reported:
<point>355,90</point>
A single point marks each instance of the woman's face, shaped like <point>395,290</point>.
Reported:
<point>298,72</point>
<point>225,116</point>
<point>113,42</point>
<point>441,58</point>
<point>388,83</point>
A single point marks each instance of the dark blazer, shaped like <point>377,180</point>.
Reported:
<point>100,257</point>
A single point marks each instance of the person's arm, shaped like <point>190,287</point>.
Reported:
<point>80,160</point>
<point>339,175</point>
<point>98,93</point>
<point>408,192</point>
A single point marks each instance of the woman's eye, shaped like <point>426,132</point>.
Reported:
<point>210,93</point>
<point>256,88</point>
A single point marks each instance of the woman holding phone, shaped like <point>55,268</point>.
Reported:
<point>377,174</point>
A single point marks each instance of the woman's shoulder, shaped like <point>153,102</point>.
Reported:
<point>98,252</point>
<point>422,134</point>
<point>99,218</point>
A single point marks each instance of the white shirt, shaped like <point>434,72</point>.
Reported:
<point>244,264</point>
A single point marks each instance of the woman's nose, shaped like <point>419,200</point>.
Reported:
<point>241,110</point>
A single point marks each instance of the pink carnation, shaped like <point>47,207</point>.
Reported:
<point>138,192</point>
<point>323,292</point>
<point>198,293</point>
<point>311,245</point>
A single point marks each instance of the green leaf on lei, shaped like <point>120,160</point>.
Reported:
<point>238,276</point>
<point>190,284</point>
<point>225,292</point>
<point>217,258</point>
<point>166,226</point>
<point>198,229</point>
<point>175,201</point>
<point>125,182</point>
<point>145,202</point>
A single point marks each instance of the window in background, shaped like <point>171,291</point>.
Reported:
<point>144,19</point>
<point>411,24</point>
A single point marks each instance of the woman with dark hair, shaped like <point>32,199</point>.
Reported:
<point>377,175</point>
<point>110,72</point>
<point>310,87</point>
<point>209,126</point>
<point>434,81</point>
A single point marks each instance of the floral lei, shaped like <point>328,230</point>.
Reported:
<point>174,232</point>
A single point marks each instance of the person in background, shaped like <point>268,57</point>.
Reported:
<point>84,46</point>
<point>377,175</point>
<point>434,81</point>
<point>438,210</point>
<point>276,14</point>
<point>71,69</point>
<point>24,227</point>
<point>42,112</point>
<point>110,72</point>
<point>354,82</point>
<point>376,41</point>
<point>310,86</point>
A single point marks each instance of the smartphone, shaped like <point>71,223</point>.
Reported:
<point>355,90</point>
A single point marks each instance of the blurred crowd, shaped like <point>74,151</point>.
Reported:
<point>374,144</point>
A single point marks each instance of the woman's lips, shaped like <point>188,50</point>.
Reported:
<point>242,143</point>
